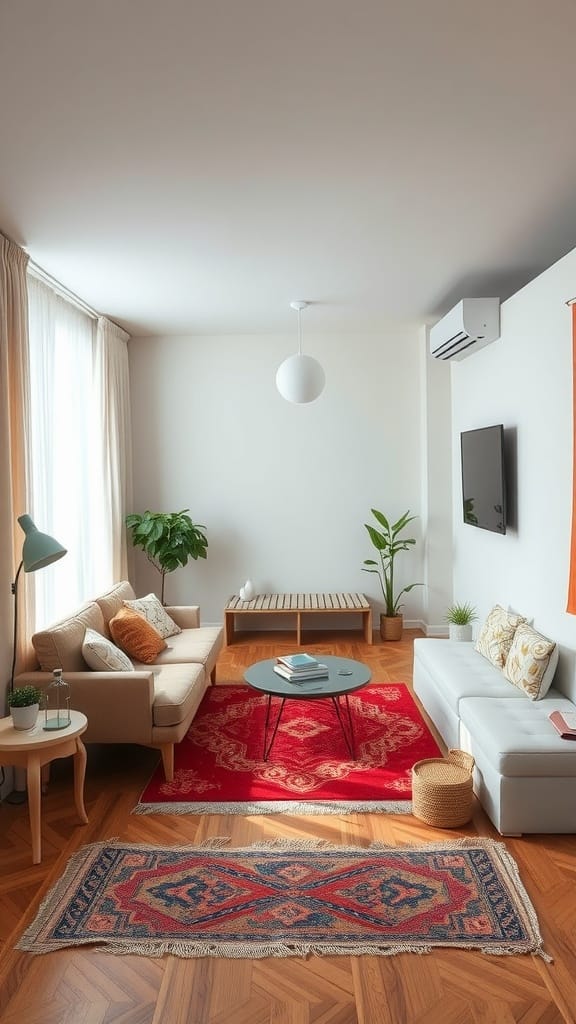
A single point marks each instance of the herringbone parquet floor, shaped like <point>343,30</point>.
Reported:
<point>81,986</point>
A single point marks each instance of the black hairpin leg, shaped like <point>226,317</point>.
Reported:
<point>348,728</point>
<point>268,743</point>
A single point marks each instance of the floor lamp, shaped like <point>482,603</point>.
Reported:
<point>38,550</point>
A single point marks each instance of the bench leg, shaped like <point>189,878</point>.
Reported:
<point>298,629</point>
<point>229,627</point>
<point>367,616</point>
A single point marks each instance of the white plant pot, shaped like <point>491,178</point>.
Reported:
<point>460,632</point>
<point>25,718</point>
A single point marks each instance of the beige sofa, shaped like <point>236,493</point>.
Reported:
<point>153,705</point>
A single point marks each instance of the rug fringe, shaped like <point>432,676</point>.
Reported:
<point>280,807</point>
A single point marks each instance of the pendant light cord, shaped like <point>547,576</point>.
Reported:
<point>299,332</point>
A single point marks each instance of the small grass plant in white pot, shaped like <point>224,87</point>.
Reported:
<point>24,704</point>
<point>460,618</point>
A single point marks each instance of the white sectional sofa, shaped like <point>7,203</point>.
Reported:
<point>525,774</point>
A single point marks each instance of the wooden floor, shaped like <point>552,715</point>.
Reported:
<point>81,986</point>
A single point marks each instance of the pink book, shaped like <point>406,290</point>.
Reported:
<point>565,723</point>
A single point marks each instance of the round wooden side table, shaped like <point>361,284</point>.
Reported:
<point>33,748</point>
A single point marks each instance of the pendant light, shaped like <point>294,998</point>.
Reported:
<point>299,378</point>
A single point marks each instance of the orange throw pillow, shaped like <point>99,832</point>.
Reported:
<point>136,636</point>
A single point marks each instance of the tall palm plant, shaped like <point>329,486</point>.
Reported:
<point>388,544</point>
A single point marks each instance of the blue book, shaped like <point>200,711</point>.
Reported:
<point>298,661</point>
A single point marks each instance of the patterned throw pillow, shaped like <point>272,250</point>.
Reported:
<point>496,636</point>
<point>136,636</point>
<point>531,661</point>
<point>154,613</point>
<point>102,655</point>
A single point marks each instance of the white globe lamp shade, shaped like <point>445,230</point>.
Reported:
<point>300,379</point>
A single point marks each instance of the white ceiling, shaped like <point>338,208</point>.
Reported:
<point>192,167</point>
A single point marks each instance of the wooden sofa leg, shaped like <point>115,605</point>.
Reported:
<point>213,676</point>
<point>167,750</point>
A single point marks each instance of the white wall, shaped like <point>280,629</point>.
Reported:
<point>524,380</point>
<point>284,490</point>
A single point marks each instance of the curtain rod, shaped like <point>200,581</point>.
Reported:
<point>37,271</point>
<point>61,289</point>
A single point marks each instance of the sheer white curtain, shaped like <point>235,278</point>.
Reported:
<point>113,386</point>
<point>68,498</point>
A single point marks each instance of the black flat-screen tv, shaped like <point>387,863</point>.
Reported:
<point>483,478</point>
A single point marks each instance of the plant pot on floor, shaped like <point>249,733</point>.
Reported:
<point>26,717</point>
<point>457,632</point>
<point>391,627</point>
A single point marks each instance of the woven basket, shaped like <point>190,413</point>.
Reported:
<point>442,789</point>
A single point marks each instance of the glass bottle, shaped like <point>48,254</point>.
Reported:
<point>57,707</point>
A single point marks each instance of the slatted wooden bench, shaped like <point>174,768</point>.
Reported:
<point>299,604</point>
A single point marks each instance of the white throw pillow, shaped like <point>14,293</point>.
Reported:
<point>101,655</point>
<point>531,662</point>
<point>154,613</point>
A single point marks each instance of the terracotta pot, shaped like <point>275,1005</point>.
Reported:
<point>391,627</point>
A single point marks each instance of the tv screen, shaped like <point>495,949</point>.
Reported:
<point>483,479</point>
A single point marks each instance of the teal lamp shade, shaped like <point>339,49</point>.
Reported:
<point>38,549</point>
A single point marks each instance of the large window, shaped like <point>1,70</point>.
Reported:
<point>66,452</point>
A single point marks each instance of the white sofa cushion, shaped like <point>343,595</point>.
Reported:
<point>517,736</point>
<point>459,671</point>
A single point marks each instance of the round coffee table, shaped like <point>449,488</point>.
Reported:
<point>33,748</point>
<point>344,676</point>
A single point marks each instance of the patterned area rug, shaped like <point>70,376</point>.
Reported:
<point>219,766</point>
<point>288,899</point>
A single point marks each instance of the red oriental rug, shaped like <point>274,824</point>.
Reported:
<point>219,766</point>
<point>288,899</point>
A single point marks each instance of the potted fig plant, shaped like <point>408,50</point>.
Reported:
<point>388,544</point>
<point>24,704</point>
<point>169,539</point>
<point>460,618</point>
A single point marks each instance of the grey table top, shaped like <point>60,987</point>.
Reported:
<point>344,676</point>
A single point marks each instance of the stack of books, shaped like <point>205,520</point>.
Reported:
<point>298,667</point>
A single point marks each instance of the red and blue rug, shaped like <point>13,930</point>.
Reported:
<point>288,899</point>
<point>219,765</point>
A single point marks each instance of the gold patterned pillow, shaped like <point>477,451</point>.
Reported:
<point>531,661</point>
<point>496,636</point>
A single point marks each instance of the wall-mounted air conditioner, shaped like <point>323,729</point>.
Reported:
<point>469,326</point>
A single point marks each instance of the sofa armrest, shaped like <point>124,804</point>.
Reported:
<point>187,616</point>
<point>118,705</point>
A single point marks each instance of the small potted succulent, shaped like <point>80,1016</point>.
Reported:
<point>460,618</point>
<point>24,704</point>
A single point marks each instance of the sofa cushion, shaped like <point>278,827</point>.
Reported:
<point>517,736</point>
<point>531,662</point>
<point>111,602</point>
<point>136,636</point>
<point>192,645</point>
<point>154,613</point>
<point>102,655</point>
<point>60,645</point>
<point>176,693</point>
<point>458,671</point>
<point>496,635</point>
